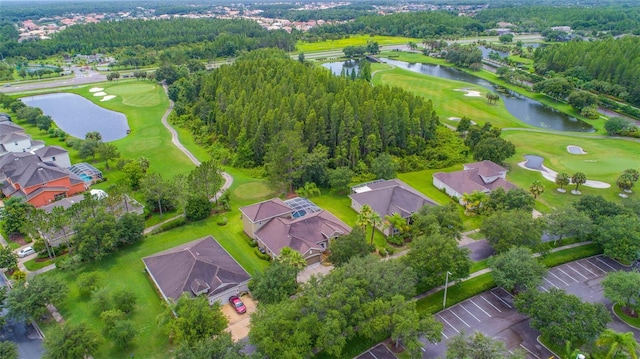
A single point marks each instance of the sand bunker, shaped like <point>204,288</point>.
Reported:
<point>96,89</point>
<point>576,150</point>
<point>100,94</point>
<point>534,163</point>
<point>107,98</point>
<point>470,93</point>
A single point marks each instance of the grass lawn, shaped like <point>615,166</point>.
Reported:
<point>32,265</point>
<point>605,160</point>
<point>568,255</point>
<point>456,293</point>
<point>477,236</point>
<point>448,100</point>
<point>353,40</point>
<point>634,322</point>
<point>479,265</point>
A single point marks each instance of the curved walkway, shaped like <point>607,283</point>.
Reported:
<point>550,175</point>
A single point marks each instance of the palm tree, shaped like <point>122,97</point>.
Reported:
<point>536,189</point>
<point>562,179</point>
<point>618,343</point>
<point>578,178</point>
<point>292,257</point>
<point>396,221</point>
<point>364,217</point>
<point>375,221</point>
<point>474,200</point>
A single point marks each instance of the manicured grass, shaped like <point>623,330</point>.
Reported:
<point>556,349</point>
<point>423,182</point>
<point>456,294</point>
<point>634,322</point>
<point>448,100</point>
<point>353,40</point>
<point>479,265</point>
<point>32,265</point>
<point>413,57</point>
<point>254,190</point>
<point>605,160</point>
<point>477,235</point>
<point>571,254</point>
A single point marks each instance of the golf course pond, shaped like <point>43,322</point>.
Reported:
<point>523,108</point>
<point>76,115</point>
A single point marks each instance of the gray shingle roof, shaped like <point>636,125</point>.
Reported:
<point>194,265</point>
<point>38,173</point>
<point>49,151</point>
<point>12,161</point>
<point>392,196</point>
<point>266,210</point>
<point>9,127</point>
<point>471,178</point>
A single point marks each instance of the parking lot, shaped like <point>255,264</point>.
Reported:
<point>380,351</point>
<point>493,313</point>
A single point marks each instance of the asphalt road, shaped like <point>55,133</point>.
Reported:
<point>26,336</point>
<point>81,77</point>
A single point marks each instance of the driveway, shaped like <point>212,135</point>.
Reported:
<point>25,335</point>
<point>239,323</point>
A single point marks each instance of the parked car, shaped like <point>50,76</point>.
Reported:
<point>237,304</point>
<point>26,251</point>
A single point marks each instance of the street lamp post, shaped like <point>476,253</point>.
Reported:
<point>446,284</point>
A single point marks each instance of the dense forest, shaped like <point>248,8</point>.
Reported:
<point>616,18</point>
<point>410,24</point>
<point>199,38</point>
<point>266,99</point>
<point>612,61</point>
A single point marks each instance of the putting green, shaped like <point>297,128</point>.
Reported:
<point>253,190</point>
<point>136,95</point>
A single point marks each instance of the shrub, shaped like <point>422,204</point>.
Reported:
<point>395,240</point>
<point>197,208</point>
<point>123,300</point>
<point>222,221</point>
<point>101,301</point>
<point>180,221</point>
<point>68,263</point>
<point>88,283</point>
<point>261,255</point>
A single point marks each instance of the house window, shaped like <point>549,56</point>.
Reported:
<point>53,158</point>
<point>15,143</point>
<point>323,245</point>
<point>59,196</point>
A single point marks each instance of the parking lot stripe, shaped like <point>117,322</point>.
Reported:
<point>543,288</point>
<point>567,274</point>
<point>454,328</point>
<point>444,335</point>
<point>583,276</point>
<point>471,314</point>
<point>605,263</point>
<point>491,304</point>
<point>548,281</point>
<point>587,269</point>
<point>595,265</point>
<point>530,352</point>
<point>483,311</point>
<point>465,323</point>
<point>558,278</point>
<point>500,299</point>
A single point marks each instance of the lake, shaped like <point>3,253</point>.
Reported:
<point>523,108</point>
<point>76,115</point>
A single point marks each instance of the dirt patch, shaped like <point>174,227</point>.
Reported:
<point>239,323</point>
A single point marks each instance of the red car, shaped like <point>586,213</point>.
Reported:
<point>237,304</point>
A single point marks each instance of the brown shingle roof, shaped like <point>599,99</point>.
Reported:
<point>266,210</point>
<point>194,265</point>
<point>302,233</point>
<point>471,178</point>
<point>392,196</point>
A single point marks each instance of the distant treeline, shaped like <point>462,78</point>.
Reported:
<point>613,61</point>
<point>197,38</point>
<point>615,18</point>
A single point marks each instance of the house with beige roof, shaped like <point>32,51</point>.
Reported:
<point>483,176</point>
<point>200,267</point>
<point>387,197</point>
<point>296,223</point>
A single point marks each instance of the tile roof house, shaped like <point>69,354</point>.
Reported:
<point>387,197</point>
<point>40,183</point>
<point>484,176</point>
<point>275,225</point>
<point>200,267</point>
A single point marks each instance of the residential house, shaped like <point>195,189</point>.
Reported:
<point>38,182</point>
<point>14,139</point>
<point>387,197</point>
<point>200,267</point>
<point>55,154</point>
<point>484,176</point>
<point>296,223</point>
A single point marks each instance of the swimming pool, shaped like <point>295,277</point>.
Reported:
<point>85,177</point>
